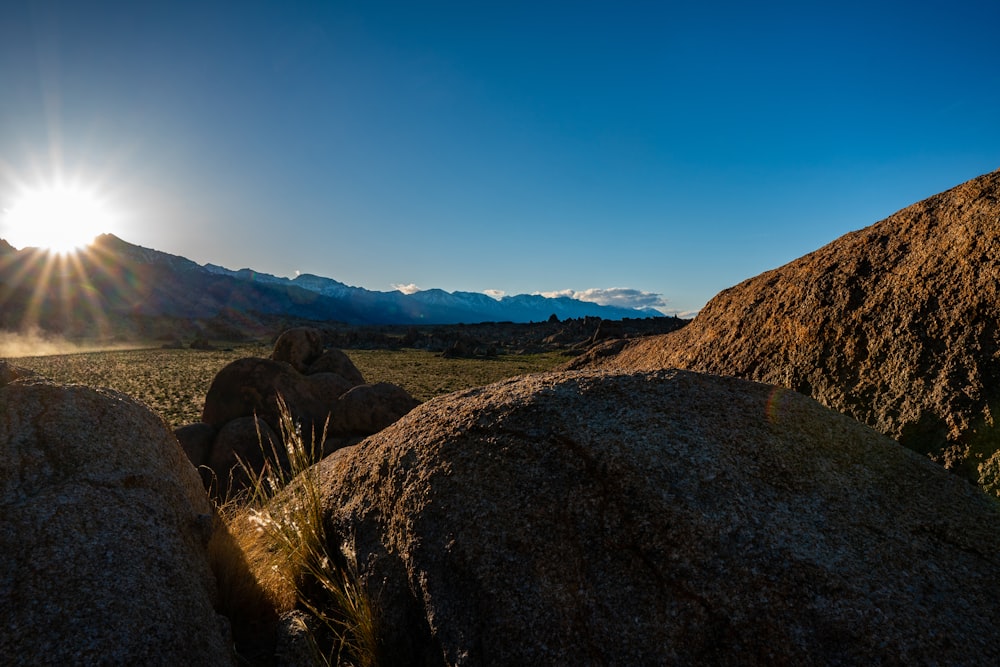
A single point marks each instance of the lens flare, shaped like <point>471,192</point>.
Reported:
<point>59,219</point>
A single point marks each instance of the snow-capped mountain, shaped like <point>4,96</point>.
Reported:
<point>436,306</point>
<point>127,278</point>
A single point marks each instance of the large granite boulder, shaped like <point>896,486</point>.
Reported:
<point>104,529</point>
<point>369,408</point>
<point>894,325</point>
<point>239,451</point>
<point>327,385</point>
<point>661,518</point>
<point>336,362</point>
<point>196,440</point>
<point>250,386</point>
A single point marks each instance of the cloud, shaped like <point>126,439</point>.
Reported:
<point>558,294</point>
<point>495,293</point>
<point>622,297</point>
<point>407,289</point>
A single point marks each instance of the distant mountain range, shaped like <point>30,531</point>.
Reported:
<point>116,277</point>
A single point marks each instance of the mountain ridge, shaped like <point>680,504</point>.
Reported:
<point>449,307</point>
<point>115,276</point>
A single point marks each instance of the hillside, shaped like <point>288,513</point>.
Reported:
<point>894,325</point>
<point>115,287</point>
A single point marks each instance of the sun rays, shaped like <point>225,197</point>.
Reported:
<point>59,280</point>
<point>64,292</point>
<point>60,218</point>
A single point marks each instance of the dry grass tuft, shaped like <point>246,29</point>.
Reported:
<point>282,561</point>
<point>252,607</point>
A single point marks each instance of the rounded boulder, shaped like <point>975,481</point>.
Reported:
<point>251,386</point>
<point>336,362</point>
<point>661,518</point>
<point>103,536</point>
<point>369,408</point>
<point>299,347</point>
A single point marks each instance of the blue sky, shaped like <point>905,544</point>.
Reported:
<point>671,149</point>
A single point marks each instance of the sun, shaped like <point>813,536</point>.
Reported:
<point>60,219</point>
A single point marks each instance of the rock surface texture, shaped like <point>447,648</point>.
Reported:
<point>666,517</point>
<point>895,325</point>
<point>104,527</point>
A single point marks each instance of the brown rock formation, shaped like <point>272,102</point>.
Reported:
<point>251,386</point>
<point>299,347</point>
<point>331,399</point>
<point>239,446</point>
<point>309,379</point>
<point>103,535</point>
<point>325,385</point>
<point>894,325</point>
<point>336,362</point>
<point>662,518</point>
<point>196,441</point>
<point>369,408</point>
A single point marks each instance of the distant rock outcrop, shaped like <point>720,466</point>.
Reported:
<point>895,325</point>
<point>242,445</point>
<point>661,518</point>
<point>299,347</point>
<point>103,535</point>
<point>329,397</point>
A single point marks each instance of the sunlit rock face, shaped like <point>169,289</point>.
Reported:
<point>664,517</point>
<point>895,325</point>
<point>103,535</point>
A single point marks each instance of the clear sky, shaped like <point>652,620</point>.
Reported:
<point>670,148</point>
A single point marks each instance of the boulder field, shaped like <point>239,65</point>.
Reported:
<point>324,394</point>
<point>590,517</point>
